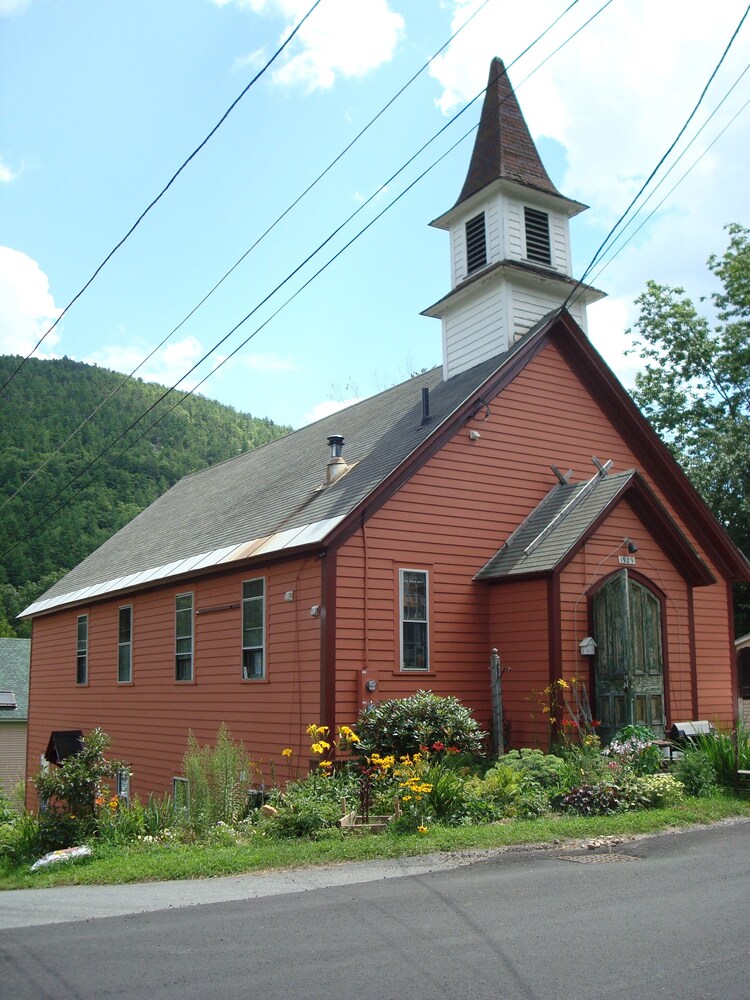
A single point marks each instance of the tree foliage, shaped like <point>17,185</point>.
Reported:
<point>695,387</point>
<point>41,408</point>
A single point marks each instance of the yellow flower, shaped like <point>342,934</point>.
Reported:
<point>406,798</point>
<point>422,829</point>
<point>325,764</point>
<point>563,684</point>
<point>287,752</point>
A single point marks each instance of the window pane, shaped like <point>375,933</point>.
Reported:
<point>252,664</point>
<point>125,624</point>
<point>184,668</point>
<point>252,588</point>
<point>184,637</point>
<point>415,596</point>
<point>415,645</point>
<point>253,629</point>
<point>82,650</point>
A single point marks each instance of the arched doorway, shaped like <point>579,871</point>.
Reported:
<point>629,664</point>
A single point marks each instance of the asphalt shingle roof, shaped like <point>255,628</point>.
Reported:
<point>277,487</point>
<point>15,656</point>
<point>565,514</point>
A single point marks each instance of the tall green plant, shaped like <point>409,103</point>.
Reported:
<point>719,747</point>
<point>218,778</point>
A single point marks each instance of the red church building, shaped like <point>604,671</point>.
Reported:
<point>514,498</point>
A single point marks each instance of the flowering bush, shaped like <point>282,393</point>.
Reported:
<point>634,746</point>
<point>660,791</point>
<point>425,720</point>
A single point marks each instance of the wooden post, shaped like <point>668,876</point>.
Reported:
<point>497,704</point>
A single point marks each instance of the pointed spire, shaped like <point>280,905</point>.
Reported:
<point>503,148</point>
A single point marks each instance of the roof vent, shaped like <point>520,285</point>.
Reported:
<point>336,464</point>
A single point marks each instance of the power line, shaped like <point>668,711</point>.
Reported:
<point>650,177</point>
<point>240,259</point>
<point>387,208</point>
<point>164,190</point>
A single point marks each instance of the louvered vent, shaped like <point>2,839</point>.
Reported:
<point>537,236</point>
<point>476,243</point>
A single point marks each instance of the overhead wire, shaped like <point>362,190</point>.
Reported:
<point>296,270</point>
<point>683,176</point>
<point>246,253</point>
<point>658,166</point>
<point>166,187</point>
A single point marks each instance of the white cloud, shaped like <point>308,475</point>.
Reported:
<point>27,309</point>
<point>268,363</point>
<point>341,37</point>
<point>615,98</point>
<point>167,367</point>
<point>13,6</point>
<point>327,407</point>
<point>6,174</point>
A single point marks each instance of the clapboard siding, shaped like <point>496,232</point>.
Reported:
<point>453,515</point>
<point>12,755</point>
<point>149,720</point>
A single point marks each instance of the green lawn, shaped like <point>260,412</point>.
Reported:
<point>140,863</point>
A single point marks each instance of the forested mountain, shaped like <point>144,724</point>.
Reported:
<point>44,404</point>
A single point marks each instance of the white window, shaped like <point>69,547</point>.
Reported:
<point>184,637</point>
<point>82,650</point>
<point>414,619</point>
<point>125,646</point>
<point>253,630</point>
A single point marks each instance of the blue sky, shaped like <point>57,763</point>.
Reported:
<point>101,103</point>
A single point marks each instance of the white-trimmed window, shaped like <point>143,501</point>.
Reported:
<point>414,604</point>
<point>253,630</point>
<point>125,645</point>
<point>183,637</point>
<point>82,650</point>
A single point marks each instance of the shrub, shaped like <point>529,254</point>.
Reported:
<point>660,791</point>
<point>633,746</point>
<point>402,726</point>
<point>218,780</point>
<point>545,769</point>
<point>696,772</point>
<point>594,800</point>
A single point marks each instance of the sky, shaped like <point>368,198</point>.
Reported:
<point>101,103</point>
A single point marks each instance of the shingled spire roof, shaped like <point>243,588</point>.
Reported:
<point>503,149</point>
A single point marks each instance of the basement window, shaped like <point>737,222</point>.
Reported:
<point>538,246</point>
<point>476,243</point>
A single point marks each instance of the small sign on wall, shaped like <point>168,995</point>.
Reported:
<point>626,560</point>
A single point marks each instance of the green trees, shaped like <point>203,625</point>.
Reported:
<point>695,387</point>
<point>44,406</point>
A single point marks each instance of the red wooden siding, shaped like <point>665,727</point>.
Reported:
<point>454,514</point>
<point>149,719</point>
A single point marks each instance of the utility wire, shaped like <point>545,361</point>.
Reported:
<point>164,190</point>
<point>650,177</point>
<point>677,183</point>
<point>240,259</point>
<point>672,167</point>
<point>361,232</point>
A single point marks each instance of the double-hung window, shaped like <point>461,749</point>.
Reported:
<point>184,637</point>
<point>82,650</point>
<point>414,619</point>
<point>125,646</point>
<point>253,630</point>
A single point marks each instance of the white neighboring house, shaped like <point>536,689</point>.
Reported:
<point>15,655</point>
<point>742,645</point>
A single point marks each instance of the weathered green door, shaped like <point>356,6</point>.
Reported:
<point>629,667</point>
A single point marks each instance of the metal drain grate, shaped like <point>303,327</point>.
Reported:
<point>589,859</point>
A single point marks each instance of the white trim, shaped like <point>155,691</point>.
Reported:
<point>304,535</point>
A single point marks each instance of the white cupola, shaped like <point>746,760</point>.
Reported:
<point>509,231</point>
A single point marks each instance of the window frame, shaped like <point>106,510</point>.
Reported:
<point>179,636</point>
<point>82,651</point>
<point>127,644</point>
<point>403,621</point>
<point>245,603</point>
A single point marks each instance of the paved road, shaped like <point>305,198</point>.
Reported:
<point>671,922</point>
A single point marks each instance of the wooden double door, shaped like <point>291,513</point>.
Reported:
<point>629,663</point>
